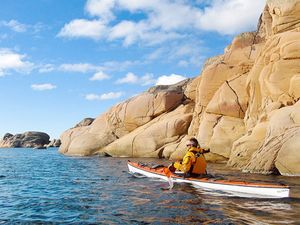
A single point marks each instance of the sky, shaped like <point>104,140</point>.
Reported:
<point>65,60</point>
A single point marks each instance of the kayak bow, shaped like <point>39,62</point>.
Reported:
<point>238,188</point>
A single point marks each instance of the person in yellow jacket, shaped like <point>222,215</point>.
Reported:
<point>193,163</point>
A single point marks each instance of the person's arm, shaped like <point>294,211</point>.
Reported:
<point>206,150</point>
<point>185,165</point>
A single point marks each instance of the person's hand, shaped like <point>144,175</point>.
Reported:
<point>172,168</point>
<point>207,150</point>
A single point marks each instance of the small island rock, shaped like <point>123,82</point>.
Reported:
<point>30,139</point>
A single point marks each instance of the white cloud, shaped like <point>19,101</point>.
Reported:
<point>130,78</point>
<point>88,67</point>
<point>33,29</point>
<point>79,67</point>
<point>231,16</point>
<point>132,32</point>
<point>100,76</point>
<point>15,25</point>
<point>128,30</point>
<point>163,20</point>
<point>77,28</point>
<point>42,87</point>
<point>92,97</point>
<point>10,60</point>
<point>111,95</point>
<point>218,15</point>
<point>105,96</point>
<point>101,8</point>
<point>171,79</point>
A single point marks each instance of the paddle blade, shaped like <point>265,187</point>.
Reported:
<point>167,172</point>
<point>171,184</point>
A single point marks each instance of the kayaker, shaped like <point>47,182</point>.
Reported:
<point>193,163</point>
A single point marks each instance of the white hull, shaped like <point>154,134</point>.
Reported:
<point>239,190</point>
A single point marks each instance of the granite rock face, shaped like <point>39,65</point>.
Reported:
<point>151,139</point>
<point>244,106</point>
<point>123,119</point>
<point>271,119</point>
<point>29,139</point>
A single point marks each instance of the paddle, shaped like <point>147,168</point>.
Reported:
<point>168,174</point>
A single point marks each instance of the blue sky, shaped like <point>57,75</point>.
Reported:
<point>63,60</point>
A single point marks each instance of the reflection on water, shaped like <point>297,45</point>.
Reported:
<point>247,211</point>
<point>45,187</point>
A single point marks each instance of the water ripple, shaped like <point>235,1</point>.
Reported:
<point>43,187</point>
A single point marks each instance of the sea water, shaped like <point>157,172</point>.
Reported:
<point>45,187</point>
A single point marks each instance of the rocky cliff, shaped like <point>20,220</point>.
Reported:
<point>140,126</point>
<point>29,139</point>
<point>244,106</point>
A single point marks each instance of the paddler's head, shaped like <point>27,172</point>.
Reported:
<point>192,143</point>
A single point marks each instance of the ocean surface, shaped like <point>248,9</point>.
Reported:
<point>44,187</point>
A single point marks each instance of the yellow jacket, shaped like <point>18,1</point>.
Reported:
<point>189,159</point>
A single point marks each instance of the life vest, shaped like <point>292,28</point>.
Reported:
<point>193,162</point>
<point>199,165</point>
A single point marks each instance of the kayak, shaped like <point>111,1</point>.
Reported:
<point>236,188</point>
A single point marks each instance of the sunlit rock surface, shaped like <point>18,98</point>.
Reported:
<point>244,106</point>
<point>124,119</point>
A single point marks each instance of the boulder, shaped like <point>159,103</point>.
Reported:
<point>7,136</point>
<point>29,139</point>
<point>151,139</point>
<point>54,143</point>
<point>243,148</point>
<point>225,132</point>
<point>283,128</point>
<point>123,119</point>
<point>287,161</point>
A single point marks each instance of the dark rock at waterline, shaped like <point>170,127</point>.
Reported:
<point>30,139</point>
<point>54,143</point>
<point>40,147</point>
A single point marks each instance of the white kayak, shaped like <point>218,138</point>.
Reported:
<point>237,188</point>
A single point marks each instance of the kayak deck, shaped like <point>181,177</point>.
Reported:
<point>251,189</point>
